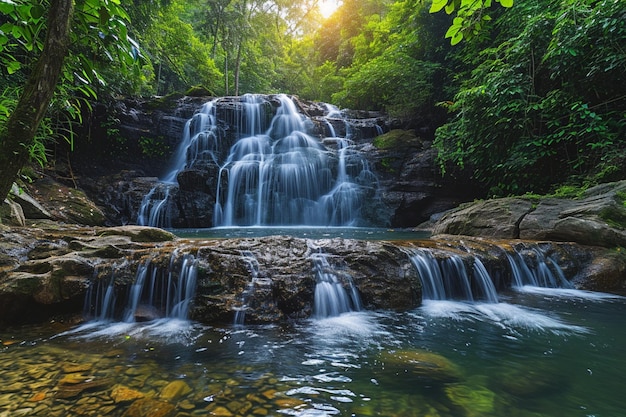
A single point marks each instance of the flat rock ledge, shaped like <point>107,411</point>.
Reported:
<point>48,270</point>
<point>596,219</point>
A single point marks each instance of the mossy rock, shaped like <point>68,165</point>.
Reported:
<point>397,139</point>
<point>140,233</point>
<point>199,91</point>
<point>474,400</point>
<point>168,102</point>
<point>423,364</point>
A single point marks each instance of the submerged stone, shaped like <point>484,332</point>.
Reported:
<point>423,364</point>
<point>121,393</point>
<point>174,391</point>
<point>148,407</point>
<point>476,401</point>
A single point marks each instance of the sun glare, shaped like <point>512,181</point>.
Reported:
<point>328,7</point>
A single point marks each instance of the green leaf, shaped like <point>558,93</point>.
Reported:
<point>438,5</point>
<point>37,11</point>
<point>506,3</point>
<point>6,7</point>
<point>104,16</point>
<point>458,37</point>
<point>13,66</point>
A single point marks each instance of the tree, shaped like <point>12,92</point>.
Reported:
<point>19,131</point>
<point>59,53</point>
<point>545,102</point>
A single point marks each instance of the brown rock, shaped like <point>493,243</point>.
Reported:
<point>71,368</point>
<point>148,407</point>
<point>175,390</point>
<point>121,393</point>
<point>69,387</point>
<point>221,412</point>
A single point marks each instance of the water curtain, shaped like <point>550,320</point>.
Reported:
<point>266,167</point>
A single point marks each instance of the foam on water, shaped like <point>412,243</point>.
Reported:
<point>360,326</point>
<point>504,315</point>
<point>568,293</point>
<point>166,330</point>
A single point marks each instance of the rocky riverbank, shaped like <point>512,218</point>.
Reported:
<point>47,269</point>
<point>596,218</point>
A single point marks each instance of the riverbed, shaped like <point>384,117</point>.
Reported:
<point>537,352</point>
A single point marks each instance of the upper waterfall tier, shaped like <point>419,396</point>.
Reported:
<point>260,161</point>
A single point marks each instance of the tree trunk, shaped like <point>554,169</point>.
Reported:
<point>21,127</point>
<point>237,67</point>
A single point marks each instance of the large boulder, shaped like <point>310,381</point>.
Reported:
<point>51,269</point>
<point>498,218</point>
<point>596,219</point>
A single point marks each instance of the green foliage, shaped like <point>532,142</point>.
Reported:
<point>528,116</point>
<point>470,16</point>
<point>180,58</point>
<point>394,81</point>
<point>99,42</point>
<point>154,147</point>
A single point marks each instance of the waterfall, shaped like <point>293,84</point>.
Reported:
<point>450,277</point>
<point>266,168</point>
<point>253,268</point>
<point>100,300</point>
<point>331,298</point>
<point>157,292</point>
<point>530,266</point>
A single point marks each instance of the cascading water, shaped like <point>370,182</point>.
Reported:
<point>451,278</point>
<point>157,292</point>
<point>530,266</point>
<point>267,169</point>
<point>257,283</point>
<point>331,298</point>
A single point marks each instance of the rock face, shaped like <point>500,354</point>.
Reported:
<point>125,147</point>
<point>411,185</point>
<point>49,271</point>
<point>596,219</point>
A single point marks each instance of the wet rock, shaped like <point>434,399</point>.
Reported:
<point>532,380</point>
<point>422,364</point>
<point>476,401</point>
<point>499,219</point>
<point>174,391</point>
<point>220,411</point>
<point>31,208</point>
<point>66,204</point>
<point>148,407</point>
<point>72,386</point>
<point>11,213</point>
<point>596,219</point>
<point>71,368</point>
<point>140,233</point>
<point>121,393</point>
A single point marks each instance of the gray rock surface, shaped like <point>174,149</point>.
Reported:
<point>596,219</point>
<point>46,270</point>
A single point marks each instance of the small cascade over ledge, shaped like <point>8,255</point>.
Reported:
<point>331,298</point>
<point>270,279</point>
<point>259,161</point>
<point>155,293</point>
